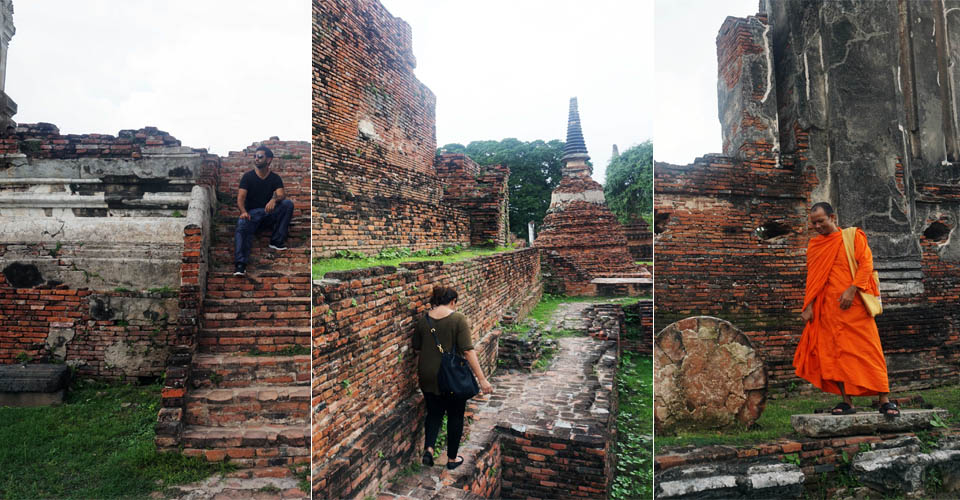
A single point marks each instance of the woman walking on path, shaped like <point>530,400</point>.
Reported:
<point>451,328</point>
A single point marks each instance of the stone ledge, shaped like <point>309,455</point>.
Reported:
<point>870,422</point>
<point>32,385</point>
<point>747,479</point>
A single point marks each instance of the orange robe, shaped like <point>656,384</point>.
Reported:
<point>840,345</point>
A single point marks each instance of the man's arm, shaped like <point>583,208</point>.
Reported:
<point>278,196</point>
<point>242,203</point>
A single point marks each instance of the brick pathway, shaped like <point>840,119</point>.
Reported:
<point>561,401</point>
<point>253,410</point>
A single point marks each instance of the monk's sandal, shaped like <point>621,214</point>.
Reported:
<point>843,408</point>
<point>890,409</point>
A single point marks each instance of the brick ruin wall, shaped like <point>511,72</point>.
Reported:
<point>93,233</point>
<point>892,181</point>
<point>479,191</point>
<point>375,185</point>
<point>367,408</point>
<point>291,162</point>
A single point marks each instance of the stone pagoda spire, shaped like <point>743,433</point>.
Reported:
<point>575,151</point>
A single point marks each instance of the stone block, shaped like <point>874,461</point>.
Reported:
<point>866,422</point>
<point>32,385</point>
<point>707,375</point>
<point>743,479</point>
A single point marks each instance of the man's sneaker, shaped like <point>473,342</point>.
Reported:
<point>275,247</point>
<point>239,269</point>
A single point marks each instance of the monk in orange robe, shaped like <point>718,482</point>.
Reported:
<point>840,350</point>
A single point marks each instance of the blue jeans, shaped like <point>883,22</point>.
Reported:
<point>246,228</point>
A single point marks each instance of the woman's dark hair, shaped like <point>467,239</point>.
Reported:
<point>442,296</point>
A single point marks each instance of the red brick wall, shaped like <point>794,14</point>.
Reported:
<point>374,142</point>
<point>367,408</point>
<point>291,161</point>
<point>43,140</point>
<point>481,192</point>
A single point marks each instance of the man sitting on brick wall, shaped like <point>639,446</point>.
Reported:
<point>840,350</point>
<point>261,201</point>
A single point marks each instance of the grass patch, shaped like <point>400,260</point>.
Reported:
<point>634,475</point>
<point>774,423</point>
<point>294,350</point>
<point>99,444</point>
<point>393,257</point>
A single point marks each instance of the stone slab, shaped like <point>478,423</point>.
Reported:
<point>867,422</point>
<point>737,479</point>
<point>33,378</point>
<point>622,281</point>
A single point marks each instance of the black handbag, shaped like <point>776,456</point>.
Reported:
<point>455,379</point>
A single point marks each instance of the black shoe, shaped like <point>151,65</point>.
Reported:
<point>454,464</point>
<point>239,269</point>
<point>278,247</point>
<point>428,459</point>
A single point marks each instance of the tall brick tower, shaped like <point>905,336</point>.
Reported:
<point>584,248</point>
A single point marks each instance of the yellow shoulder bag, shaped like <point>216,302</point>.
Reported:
<point>872,302</point>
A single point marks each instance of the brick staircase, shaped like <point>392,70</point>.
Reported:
<point>250,387</point>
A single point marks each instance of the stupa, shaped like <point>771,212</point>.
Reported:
<point>583,247</point>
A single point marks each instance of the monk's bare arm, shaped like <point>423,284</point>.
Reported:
<point>807,314</point>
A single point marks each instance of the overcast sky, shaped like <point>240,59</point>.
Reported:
<point>214,74</point>
<point>686,76</point>
<point>507,68</point>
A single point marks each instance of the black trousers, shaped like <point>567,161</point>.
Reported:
<point>436,407</point>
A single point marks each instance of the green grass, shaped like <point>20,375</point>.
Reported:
<point>294,350</point>
<point>634,476</point>
<point>91,447</point>
<point>393,257</point>
<point>774,423</point>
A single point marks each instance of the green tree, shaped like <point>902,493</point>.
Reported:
<point>629,185</point>
<point>534,173</point>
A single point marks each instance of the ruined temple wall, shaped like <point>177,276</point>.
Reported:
<point>856,115</point>
<point>93,239</point>
<point>291,161</point>
<point>374,182</point>
<point>710,260</point>
<point>482,192</point>
<point>368,411</point>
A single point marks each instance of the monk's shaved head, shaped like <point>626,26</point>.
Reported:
<point>826,207</point>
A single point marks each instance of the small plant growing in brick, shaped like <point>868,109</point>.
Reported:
<point>24,358</point>
<point>215,378</point>
<point>161,289</point>
<point>177,213</point>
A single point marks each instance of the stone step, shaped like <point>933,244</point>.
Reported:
<point>227,371</point>
<point>900,467</point>
<point>278,318</point>
<point>257,283</point>
<point>234,486</point>
<point>259,309</point>
<point>741,479</point>
<point>246,338</point>
<point>249,405</point>
<point>249,445</point>
<point>863,422</point>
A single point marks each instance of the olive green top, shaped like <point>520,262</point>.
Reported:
<point>446,328</point>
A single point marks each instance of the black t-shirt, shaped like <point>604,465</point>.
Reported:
<point>259,191</point>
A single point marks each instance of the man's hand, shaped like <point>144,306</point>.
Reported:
<point>807,314</point>
<point>245,215</point>
<point>847,298</point>
<point>270,206</point>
